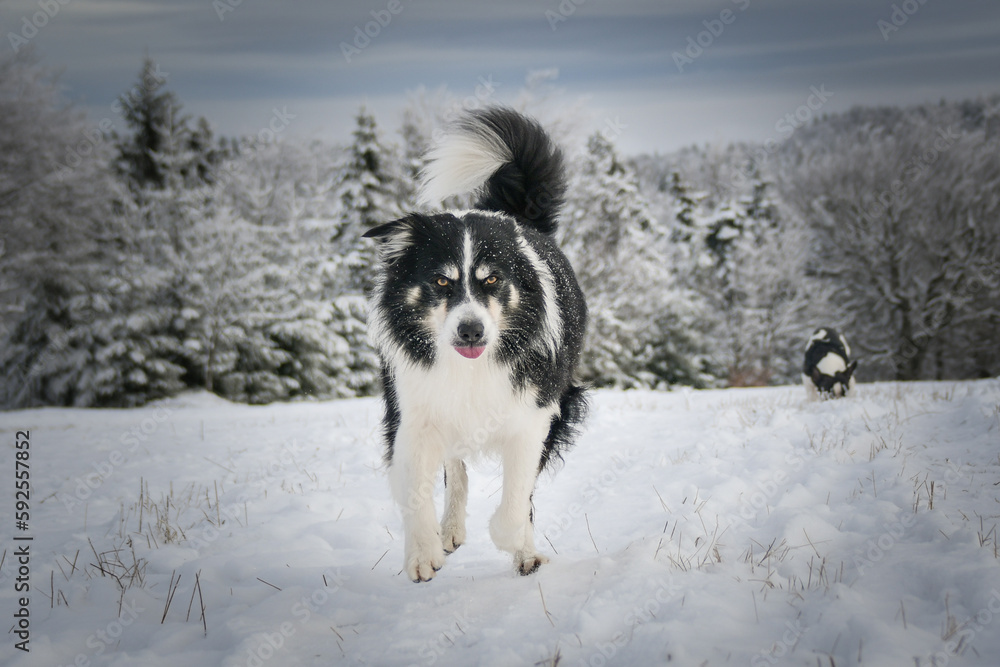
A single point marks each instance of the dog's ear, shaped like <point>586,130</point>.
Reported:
<point>393,238</point>
<point>850,369</point>
<point>385,229</point>
<point>816,375</point>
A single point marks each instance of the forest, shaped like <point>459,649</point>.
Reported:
<point>139,263</point>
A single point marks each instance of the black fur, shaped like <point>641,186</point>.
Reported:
<point>530,187</point>
<point>529,192</point>
<point>833,343</point>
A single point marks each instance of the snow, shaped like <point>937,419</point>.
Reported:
<point>724,527</point>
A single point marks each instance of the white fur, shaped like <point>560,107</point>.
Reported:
<point>819,335</point>
<point>460,409</point>
<point>552,319</point>
<point>461,163</point>
<point>483,272</point>
<point>831,364</point>
<point>467,258</point>
<point>455,497</point>
<point>847,348</point>
<point>469,310</point>
<point>460,213</point>
<point>394,245</point>
<point>812,393</point>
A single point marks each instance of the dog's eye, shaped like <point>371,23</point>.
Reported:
<point>492,280</point>
<point>442,282</point>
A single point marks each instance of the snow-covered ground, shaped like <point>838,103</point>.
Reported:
<point>726,527</point>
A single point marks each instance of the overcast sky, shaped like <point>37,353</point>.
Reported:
<point>665,73</point>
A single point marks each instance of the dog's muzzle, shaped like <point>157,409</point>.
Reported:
<point>470,341</point>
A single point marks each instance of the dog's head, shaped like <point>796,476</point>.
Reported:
<point>454,284</point>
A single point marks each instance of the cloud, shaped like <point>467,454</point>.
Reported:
<point>617,55</point>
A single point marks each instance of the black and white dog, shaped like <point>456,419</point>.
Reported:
<point>478,321</point>
<point>827,371</point>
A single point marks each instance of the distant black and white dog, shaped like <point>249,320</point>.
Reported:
<point>478,320</point>
<point>827,371</point>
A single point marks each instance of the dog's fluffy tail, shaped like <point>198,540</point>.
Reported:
<point>508,158</point>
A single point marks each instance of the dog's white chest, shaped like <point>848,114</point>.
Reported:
<point>470,404</point>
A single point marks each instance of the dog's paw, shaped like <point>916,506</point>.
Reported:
<point>528,563</point>
<point>422,566</point>
<point>453,537</point>
<point>452,543</point>
<point>424,557</point>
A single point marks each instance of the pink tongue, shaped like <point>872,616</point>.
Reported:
<point>470,352</point>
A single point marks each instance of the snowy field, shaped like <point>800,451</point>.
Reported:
<point>733,527</point>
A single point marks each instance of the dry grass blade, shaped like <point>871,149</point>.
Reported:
<point>268,583</point>
<point>544,608</point>
<point>171,589</point>
<point>201,602</point>
<point>585,518</point>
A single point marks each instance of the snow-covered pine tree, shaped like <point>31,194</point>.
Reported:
<point>769,302</point>
<point>306,338</point>
<point>152,114</point>
<point>371,191</point>
<point>747,266</point>
<point>73,258</point>
<point>685,206</point>
<point>636,334</point>
<point>421,118</point>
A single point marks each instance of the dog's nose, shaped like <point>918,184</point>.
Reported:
<point>471,331</point>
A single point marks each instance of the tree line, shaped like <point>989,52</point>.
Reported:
<point>140,264</point>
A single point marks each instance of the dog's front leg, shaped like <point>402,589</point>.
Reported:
<point>456,493</point>
<point>412,474</point>
<point>511,526</point>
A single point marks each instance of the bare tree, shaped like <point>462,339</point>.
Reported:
<point>906,226</point>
